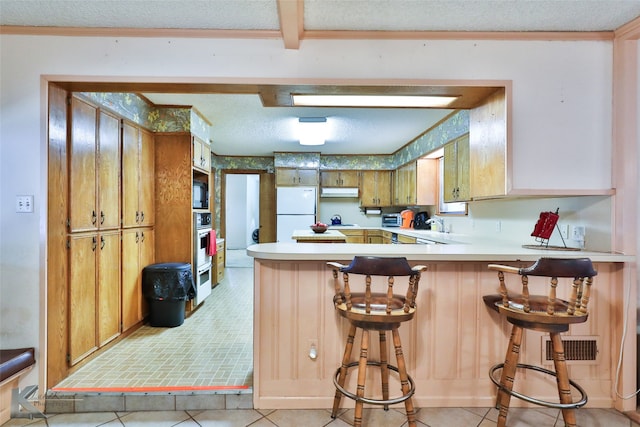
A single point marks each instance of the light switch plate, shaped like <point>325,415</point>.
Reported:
<point>24,204</point>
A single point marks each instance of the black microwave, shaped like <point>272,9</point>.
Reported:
<point>200,195</point>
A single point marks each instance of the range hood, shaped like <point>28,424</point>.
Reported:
<point>339,192</point>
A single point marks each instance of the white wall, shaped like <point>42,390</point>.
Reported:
<point>561,91</point>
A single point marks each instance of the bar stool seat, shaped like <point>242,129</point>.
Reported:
<point>378,311</point>
<point>544,313</point>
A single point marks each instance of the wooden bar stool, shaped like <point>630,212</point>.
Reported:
<point>544,313</point>
<point>374,311</point>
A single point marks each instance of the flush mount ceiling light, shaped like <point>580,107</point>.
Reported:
<point>312,130</point>
<point>388,101</point>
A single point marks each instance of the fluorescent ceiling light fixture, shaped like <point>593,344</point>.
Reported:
<point>312,130</point>
<point>399,101</point>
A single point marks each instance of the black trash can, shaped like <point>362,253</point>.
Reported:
<point>167,287</point>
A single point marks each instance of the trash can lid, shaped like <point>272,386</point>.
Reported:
<point>168,281</point>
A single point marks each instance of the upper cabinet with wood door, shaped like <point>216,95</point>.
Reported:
<point>201,154</point>
<point>416,183</point>
<point>296,176</point>
<point>456,170</point>
<point>342,179</point>
<point>488,147</point>
<point>375,188</point>
<point>94,168</point>
<point>137,176</point>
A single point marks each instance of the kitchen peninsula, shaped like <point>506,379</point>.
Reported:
<point>451,343</point>
<point>329,236</point>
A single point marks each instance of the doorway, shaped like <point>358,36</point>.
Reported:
<point>242,210</point>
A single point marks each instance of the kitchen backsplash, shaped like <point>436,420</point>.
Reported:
<point>509,220</point>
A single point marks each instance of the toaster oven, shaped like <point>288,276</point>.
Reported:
<point>391,220</point>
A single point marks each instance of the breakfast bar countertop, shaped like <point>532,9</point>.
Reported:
<point>473,251</point>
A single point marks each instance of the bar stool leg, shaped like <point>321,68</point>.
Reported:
<point>362,375</point>
<point>508,374</point>
<point>562,376</point>
<point>384,369</point>
<point>404,379</point>
<point>343,369</point>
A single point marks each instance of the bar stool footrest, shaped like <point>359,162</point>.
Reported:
<point>371,401</point>
<point>557,405</point>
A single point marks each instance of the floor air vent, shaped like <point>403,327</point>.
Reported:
<point>577,349</point>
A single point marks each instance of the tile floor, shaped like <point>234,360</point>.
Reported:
<point>426,417</point>
<point>212,348</point>
<point>223,357</point>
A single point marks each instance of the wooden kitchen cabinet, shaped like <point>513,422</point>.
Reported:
<point>353,235</point>
<point>416,183</point>
<point>94,168</point>
<point>406,239</point>
<point>488,147</point>
<point>94,292</point>
<point>201,154</point>
<point>296,176</point>
<point>138,171</point>
<point>343,179</point>
<point>374,236</point>
<point>386,237</point>
<point>456,170</point>
<point>137,253</point>
<point>375,188</point>
<point>219,262</point>
<point>109,300</point>
<point>405,185</point>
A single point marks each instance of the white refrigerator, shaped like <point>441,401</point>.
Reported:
<point>296,210</point>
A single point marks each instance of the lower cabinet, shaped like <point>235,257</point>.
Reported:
<point>219,262</point>
<point>137,253</point>
<point>354,236</point>
<point>94,292</point>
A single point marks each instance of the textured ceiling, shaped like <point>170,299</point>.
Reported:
<point>386,15</point>
<point>241,125</point>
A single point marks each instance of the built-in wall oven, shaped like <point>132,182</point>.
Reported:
<point>202,268</point>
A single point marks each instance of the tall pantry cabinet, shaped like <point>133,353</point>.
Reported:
<point>138,218</point>
<point>101,182</point>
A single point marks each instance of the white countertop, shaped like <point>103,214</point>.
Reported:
<point>308,235</point>
<point>457,248</point>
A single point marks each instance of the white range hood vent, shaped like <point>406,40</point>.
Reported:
<point>339,192</point>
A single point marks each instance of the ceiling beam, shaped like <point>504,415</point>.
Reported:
<point>291,22</point>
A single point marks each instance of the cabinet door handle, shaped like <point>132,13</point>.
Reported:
<point>94,243</point>
<point>101,217</point>
<point>93,217</point>
<point>102,242</point>
<point>137,217</point>
<point>141,216</point>
<point>137,237</point>
<point>142,239</point>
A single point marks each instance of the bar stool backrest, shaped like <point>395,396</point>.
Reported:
<point>369,302</point>
<point>542,307</point>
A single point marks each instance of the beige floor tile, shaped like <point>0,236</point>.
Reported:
<point>374,417</point>
<point>446,417</point>
<point>220,418</point>
<point>153,418</point>
<point>300,417</point>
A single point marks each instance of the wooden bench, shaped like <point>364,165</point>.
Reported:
<point>14,363</point>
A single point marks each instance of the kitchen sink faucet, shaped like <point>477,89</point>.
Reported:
<point>438,221</point>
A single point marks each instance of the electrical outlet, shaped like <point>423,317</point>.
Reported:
<point>564,231</point>
<point>498,226</point>
<point>24,204</point>
<point>578,232</point>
